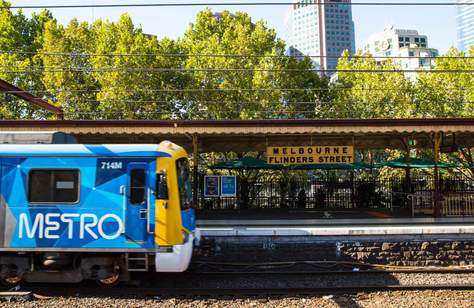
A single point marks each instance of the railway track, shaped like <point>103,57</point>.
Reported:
<point>44,293</point>
<point>315,267</point>
<point>264,284</point>
<point>341,272</point>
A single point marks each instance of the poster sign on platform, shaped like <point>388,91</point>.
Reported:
<point>228,186</point>
<point>211,186</point>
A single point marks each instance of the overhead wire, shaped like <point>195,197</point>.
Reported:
<point>205,90</point>
<point>197,101</point>
<point>205,4</point>
<point>214,55</point>
<point>33,70</point>
<point>194,103</point>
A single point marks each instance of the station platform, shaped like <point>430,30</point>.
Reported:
<point>416,226</point>
<point>403,242</point>
<point>450,243</point>
<point>229,229</point>
<point>349,222</point>
<point>299,214</point>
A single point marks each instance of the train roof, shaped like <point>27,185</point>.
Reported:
<point>36,137</point>
<point>81,150</point>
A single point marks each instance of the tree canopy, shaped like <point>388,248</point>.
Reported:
<point>113,70</point>
<point>225,66</point>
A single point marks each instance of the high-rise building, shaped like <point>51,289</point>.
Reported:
<point>408,48</point>
<point>465,24</point>
<point>323,30</point>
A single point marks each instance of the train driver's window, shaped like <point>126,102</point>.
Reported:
<point>137,186</point>
<point>53,186</point>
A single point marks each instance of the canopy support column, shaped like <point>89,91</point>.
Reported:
<point>407,188</point>
<point>195,171</point>
<point>436,197</point>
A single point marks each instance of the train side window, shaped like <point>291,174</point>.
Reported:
<point>53,186</point>
<point>137,186</point>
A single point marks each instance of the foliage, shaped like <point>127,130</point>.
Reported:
<point>245,87</point>
<point>20,38</point>
<point>196,76</point>
<point>148,78</point>
<point>119,87</point>
<point>447,94</point>
<point>369,92</point>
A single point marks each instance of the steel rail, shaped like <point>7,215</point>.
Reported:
<point>178,285</point>
<point>334,272</point>
<point>124,292</point>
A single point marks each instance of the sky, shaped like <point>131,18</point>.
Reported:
<point>438,23</point>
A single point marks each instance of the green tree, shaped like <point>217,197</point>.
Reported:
<point>250,85</point>
<point>20,39</point>
<point>138,86</point>
<point>65,54</point>
<point>112,70</point>
<point>369,92</point>
<point>449,94</point>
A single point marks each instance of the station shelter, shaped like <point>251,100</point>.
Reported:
<point>307,168</point>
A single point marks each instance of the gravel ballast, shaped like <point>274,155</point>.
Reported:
<point>432,299</point>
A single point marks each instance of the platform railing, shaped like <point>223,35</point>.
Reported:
<point>458,203</point>
<point>421,202</point>
<point>390,194</point>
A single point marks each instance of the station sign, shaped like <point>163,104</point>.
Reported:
<point>308,155</point>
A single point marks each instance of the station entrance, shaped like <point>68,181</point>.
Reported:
<point>419,168</point>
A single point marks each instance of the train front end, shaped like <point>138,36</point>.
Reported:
<point>175,224</point>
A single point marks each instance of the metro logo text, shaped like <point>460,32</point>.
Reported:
<point>78,226</point>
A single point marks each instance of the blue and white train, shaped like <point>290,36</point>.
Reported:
<point>73,212</point>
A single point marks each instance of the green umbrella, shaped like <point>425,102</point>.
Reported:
<point>354,166</point>
<point>416,163</point>
<point>245,163</point>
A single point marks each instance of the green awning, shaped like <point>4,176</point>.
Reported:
<point>245,163</point>
<point>251,163</point>
<point>416,163</point>
<point>355,166</point>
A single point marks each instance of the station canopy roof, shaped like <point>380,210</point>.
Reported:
<point>256,135</point>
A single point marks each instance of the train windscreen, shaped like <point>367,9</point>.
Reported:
<point>184,183</point>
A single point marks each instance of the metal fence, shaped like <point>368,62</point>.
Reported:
<point>416,194</point>
<point>459,203</point>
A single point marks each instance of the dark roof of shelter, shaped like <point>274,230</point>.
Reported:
<point>255,135</point>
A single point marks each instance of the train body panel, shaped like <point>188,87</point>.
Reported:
<point>102,217</point>
<point>100,198</point>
